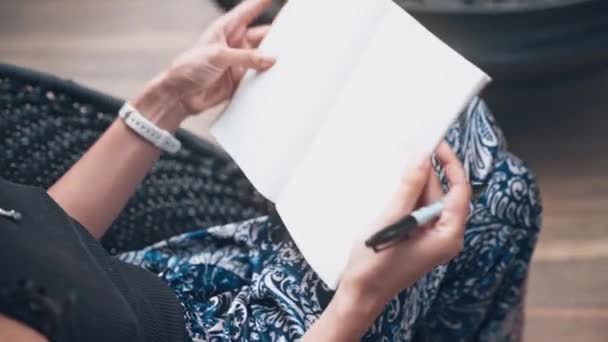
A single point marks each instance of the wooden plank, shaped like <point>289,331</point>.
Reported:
<point>565,326</point>
<point>569,283</point>
<point>114,46</point>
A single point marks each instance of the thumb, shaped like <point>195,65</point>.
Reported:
<point>253,59</point>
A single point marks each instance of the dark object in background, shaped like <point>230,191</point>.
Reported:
<point>265,18</point>
<point>514,39</point>
<point>47,123</point>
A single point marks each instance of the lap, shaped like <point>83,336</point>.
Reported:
<point>248,281</point>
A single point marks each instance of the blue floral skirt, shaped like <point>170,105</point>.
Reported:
<point>248,282</point>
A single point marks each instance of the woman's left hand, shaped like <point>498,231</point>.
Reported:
<point>204,75</point>
<point>371,279</point>
<point>208,73</point>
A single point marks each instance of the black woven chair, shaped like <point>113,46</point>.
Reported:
<point>47,123</point>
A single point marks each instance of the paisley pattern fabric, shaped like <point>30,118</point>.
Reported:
<point>248,282</point>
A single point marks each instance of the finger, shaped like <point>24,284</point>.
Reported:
<point>245,58</point>
<point>238,73</point>
<point>256,35</point>
<point>457,201</point>
<point>245,44</point>
<point>241,43</point>
<point>236,37</point>
<point>246,12</point>
<point>432,191</point>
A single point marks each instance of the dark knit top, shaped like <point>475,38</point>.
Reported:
<point>57,279</point>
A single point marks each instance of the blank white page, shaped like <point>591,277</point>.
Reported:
<point>401,99</point>
<point>274,116</point>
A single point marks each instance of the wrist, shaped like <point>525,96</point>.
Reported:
<point>353,312</point>
<point>159,104</point>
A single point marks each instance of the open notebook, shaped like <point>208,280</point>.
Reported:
<point>359,91</point>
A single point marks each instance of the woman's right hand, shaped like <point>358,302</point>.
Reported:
<point>371,279</point>
<point>384,274</point>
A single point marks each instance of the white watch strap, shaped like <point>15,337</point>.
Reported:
<point>147,130</point>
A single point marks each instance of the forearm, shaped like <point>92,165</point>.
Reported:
<point>347,318</point>
<point>98,186</point>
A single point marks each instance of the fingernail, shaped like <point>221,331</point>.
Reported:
<point>423,163</point>
<point>267,62</point>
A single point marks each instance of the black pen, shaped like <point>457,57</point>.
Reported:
<point>401,229</point>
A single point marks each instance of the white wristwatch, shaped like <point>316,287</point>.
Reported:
<point>147,130</point>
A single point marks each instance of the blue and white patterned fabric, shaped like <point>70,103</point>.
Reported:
<point>248,282</point>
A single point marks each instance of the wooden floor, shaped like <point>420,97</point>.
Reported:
<point>560,129</point>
